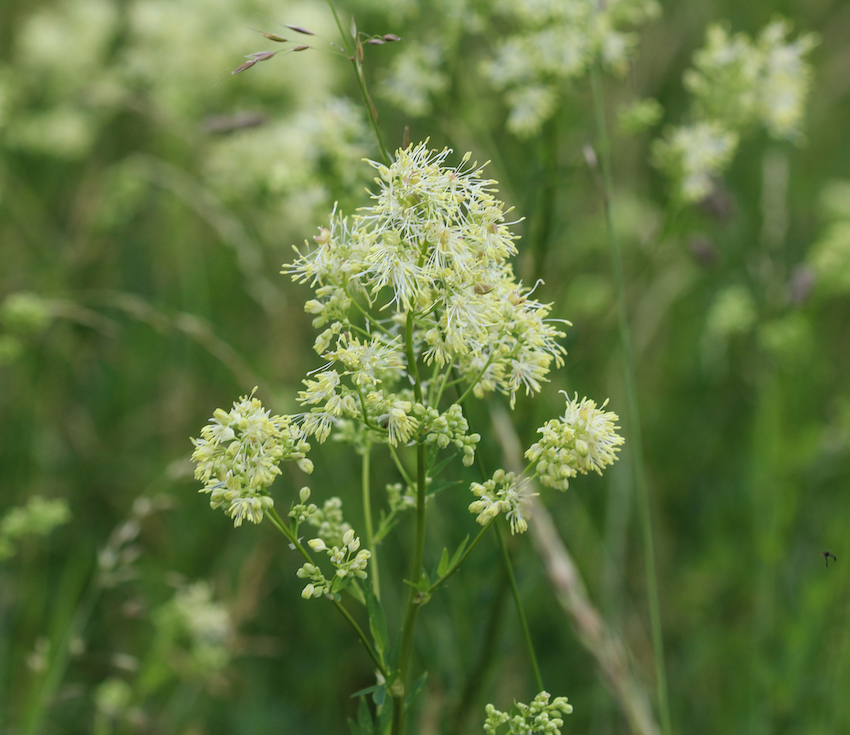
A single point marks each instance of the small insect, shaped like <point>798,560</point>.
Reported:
<point>826,555</point>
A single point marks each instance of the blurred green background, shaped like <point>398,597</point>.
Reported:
<point>145,210</point>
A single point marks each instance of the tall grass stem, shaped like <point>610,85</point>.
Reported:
<point>633,419</point>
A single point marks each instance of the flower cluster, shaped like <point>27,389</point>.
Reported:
<point>584,439</point>
<point>400,497</point>
<point>694,155</point>
<point>447,428</point>
<point>348,559</point>
<point>329,522</point>
<point>422,275</point>
<point>192,618</point>
<point>37,518</point>
<point>541,716</point>
<point>558,41</point>
<point>510,498</point>
<point>238,454</point>
<point>737,84</point>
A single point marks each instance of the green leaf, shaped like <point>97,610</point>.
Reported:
<point>356,592</point>
<point>367,690</point>
<point>365,725</point>
<point>443,566</point>
<point>434,471</point>
<point>377,622</point>
<point>438,488</point>
<point>385,719</point>
<point>459,553</point>
<point>420,682</point>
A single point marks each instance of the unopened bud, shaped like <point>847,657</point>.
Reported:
<point>274,37</point>
<point>390,37</point>
<point>376,41</point>
<point>317,544</point>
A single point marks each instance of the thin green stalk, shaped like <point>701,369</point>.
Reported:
<point>277,521</point>
<point>399,466</point>
<point>353,55</point>
<point>414,598</point>
<point>367,519</point>
<point>509,570</point>
<point>475,381</point>
<point>635,442</point>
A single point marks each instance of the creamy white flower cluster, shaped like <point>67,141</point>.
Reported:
<point>348,560</point>
<point>238,454</point>
<point>400,497</point>
<point>737,84</point>
<point>431,253</point>
<point>556,41</point>
<point>510,498</point>
<point>584,439</point>
<point>201,624</point>
<point>330,525</point>
<point>541,716</point>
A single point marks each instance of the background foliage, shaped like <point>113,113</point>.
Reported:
<point>144,214</point>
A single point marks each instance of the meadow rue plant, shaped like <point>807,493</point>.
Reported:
<point>540,716</point>
<point>238,454</point>
<point>557,41</point>
<point>736,84</point>
<point>419,309</point>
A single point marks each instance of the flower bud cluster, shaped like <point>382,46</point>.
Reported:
<point>329,522</point>
<point>584,439</point>
<point>447,428</point>
<point>301,511</point>
<point>238,454</point>
<point>505,493</point>
<point>400,497</point>
<point>539,717</point>
<point>348,560</point>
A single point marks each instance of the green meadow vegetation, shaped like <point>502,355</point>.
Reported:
<point>512,338</point>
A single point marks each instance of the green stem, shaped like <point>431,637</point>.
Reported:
<point>361,81</point>
<point>399,466</point>
<point>636,442</point>
<point>506,559</point>
<point>367,519</point>
<point>475,381</point>
<point>281,526</point>
<point>414,599</point>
